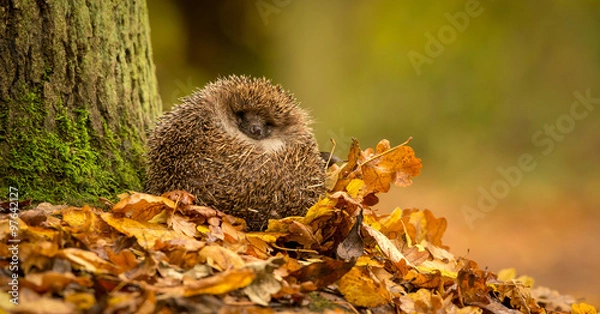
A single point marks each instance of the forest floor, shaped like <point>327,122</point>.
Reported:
<point>552,239</point>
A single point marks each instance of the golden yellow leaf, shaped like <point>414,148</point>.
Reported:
<point>444,268</point>
<point>362,289</point>
<point>582,308</point>
<point>220,283</point>
<point>392,223</point>
<point>83,301</point>
<point>354,187</point>
<point>146,233</point>
<point>510,274</point>
<point>507,274</point>
<point>351,169</point>
<point>368,261</point>
<point>321,208</point>
<point>79,219</point>
<point>203,229</point>
<point>269,237</point>
<point>36,234</point>
<point>421,301</point>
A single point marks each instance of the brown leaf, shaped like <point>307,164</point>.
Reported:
<point>182,225</point>
<point>472,285</point>
<point>352,247</point>
<point>322,274</point>
<point>180,197</point>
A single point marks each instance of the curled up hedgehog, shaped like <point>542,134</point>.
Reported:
<point>241,145</point>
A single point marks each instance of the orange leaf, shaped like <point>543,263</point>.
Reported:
<point>143,207</point>
<point>389,165</point>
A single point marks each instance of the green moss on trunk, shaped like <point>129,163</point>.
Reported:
<point>77,93</point>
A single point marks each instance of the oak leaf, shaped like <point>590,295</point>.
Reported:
<point>362,288</point>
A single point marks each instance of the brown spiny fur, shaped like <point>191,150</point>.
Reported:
<point>199,147</point>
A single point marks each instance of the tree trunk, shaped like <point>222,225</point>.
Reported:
<point>77,94</point>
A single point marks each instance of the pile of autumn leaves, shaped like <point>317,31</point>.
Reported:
<point>163,254</point>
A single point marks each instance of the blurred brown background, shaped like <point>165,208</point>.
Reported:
<point>479,85</point>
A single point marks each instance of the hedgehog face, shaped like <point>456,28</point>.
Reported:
<point>258,129</point>
<point>258,113</point>
<point>254,125</point>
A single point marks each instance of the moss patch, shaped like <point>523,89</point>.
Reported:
<point>69,162</point>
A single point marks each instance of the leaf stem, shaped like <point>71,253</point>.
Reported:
<point>385,153</point>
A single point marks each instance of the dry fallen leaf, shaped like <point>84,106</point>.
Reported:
<point>362,288</point>
<point>380,168</point>
<point>220,283</point>
<point>143,207</point>
<point>265,284</point>
<point>220,258</point>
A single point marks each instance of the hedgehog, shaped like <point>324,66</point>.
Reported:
<point>240,145</point>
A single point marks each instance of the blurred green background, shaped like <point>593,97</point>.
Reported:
<point>494,75</point>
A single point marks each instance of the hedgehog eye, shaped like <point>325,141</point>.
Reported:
<point>269,128</point>
<point>239,116</point>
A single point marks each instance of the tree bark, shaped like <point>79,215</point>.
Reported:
<point>77,93</point>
